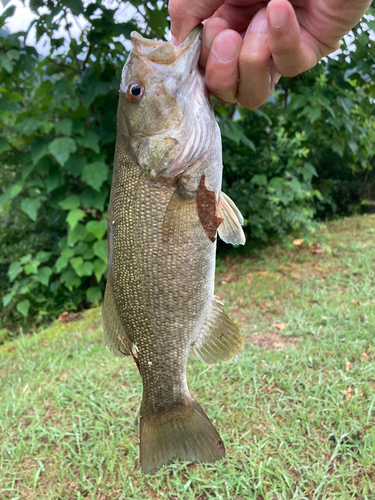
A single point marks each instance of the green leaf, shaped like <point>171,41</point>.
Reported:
<point>7,298</point>
<point>26,258</point>
<point>54,180</point>
<point>92,199</point>
<point>74,216</point>
<point>70,202</point>
<point>97,228</point>
<point>337,147</point>
<point>312,113</point>
<point>4,144</point>
<point>100,268</point>
<point>259,180</point>
<point>32,267</point>
<point>61,264</point>
<point>100,250</point>
<point>88,254</point>
<point>28,126</point>
<point>247,142</point>
<point>6,105</point>
<point>94,294</point>
<point>10,193</point>
<point>295,185</point>
<point>231,130</point>
<point>70,279</point>
<point>95,174</point>
<point>76,234</point>
<point>93,90</point>
<point>76,262</point>
<point>353,145</point>
<point>30,207</point>
<point>90,141</point>
<point>64,126</point>
<point>311,169</point>
<point>43,256</point>
<point>23,307</point>
<point>75,6</point>
<point>43,275</point>
<point>85,269</point>
<point>13,55</point>
<point>158,21</point>
<point>67,253</point>
<point>61,149</point>
<point>39,148</point>
<point>75,165</point>
<point>345,103</point>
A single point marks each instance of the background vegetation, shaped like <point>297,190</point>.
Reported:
<point>308,153</point>
<point>296,410</point>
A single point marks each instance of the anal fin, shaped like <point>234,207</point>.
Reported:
<point>230,229</point>
<point>220,339</point>
<point>114,334</point>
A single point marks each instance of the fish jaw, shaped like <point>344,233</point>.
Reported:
<point>173,126</point>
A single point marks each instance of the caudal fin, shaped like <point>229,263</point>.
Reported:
<point>185,433</point>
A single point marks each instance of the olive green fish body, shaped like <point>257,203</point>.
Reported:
<point>165,209</point>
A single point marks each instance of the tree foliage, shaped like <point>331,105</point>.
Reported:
<point>58,116</point>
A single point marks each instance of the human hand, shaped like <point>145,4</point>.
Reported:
<point>248,44</point>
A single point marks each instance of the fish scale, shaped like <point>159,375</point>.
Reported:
<point>164,210</point>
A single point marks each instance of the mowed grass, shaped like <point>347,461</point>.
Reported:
<point>296,411</point>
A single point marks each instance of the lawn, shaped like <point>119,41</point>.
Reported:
<point>296,410</point>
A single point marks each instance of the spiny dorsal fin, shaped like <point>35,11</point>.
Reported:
<point>220,339</point>
<point>230,229</point>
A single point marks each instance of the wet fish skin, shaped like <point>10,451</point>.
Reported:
<point>165,207</point>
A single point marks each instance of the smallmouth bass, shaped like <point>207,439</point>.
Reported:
<point>166,208</point>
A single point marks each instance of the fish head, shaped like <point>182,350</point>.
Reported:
<point>161,91</point>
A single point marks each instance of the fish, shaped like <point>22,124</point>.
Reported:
<point>165,211</point>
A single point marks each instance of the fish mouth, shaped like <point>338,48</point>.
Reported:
<point>184,56</point>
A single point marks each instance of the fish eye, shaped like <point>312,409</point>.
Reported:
<point>135,91</point>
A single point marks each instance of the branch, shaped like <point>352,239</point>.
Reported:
<point>71,41</point>
<point>61,65</point>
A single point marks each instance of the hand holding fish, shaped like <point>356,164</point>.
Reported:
<point>248,44</point>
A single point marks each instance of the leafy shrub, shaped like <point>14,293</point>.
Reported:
<point>58,121</point>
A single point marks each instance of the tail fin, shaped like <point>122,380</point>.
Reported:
<point>185,433</point>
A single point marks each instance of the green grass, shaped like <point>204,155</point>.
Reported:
<point>68,407</point>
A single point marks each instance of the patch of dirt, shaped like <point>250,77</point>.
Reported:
<point>273,341</point>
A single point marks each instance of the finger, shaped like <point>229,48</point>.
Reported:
<point>222,66</point>
<point>211,29</point>
<point>239,16</point>
<point>257,74</point>
<point>290,55</point>
<point>187,14</point>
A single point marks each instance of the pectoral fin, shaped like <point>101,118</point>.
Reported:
<point>114,334</point>
<point>230,229</point>
<point>181,216</point>
<point>220,339</point>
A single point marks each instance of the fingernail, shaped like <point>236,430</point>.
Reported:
<point>259,22</point>
<point>224,48</point>
<point>278,15</point>
<point>175,41</point>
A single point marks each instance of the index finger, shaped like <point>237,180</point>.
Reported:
<point>187,14</point>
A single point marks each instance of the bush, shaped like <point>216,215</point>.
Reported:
<point>58,116</point>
